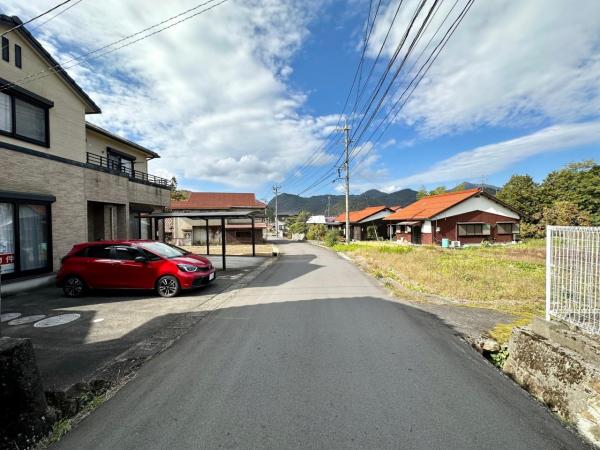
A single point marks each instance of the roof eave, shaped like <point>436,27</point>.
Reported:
<point>122,140</point>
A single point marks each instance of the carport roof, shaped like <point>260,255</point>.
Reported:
<point>205,214</point>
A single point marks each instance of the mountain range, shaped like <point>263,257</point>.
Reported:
<point>332,205</point>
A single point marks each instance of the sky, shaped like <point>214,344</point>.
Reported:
<point>251,93</point>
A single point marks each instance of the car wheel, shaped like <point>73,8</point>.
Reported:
<point>168,286</point>
<point>73,287</point>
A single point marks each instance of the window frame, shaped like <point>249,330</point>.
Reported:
<point>18,56</point>
<point>16,202</point>
<point>5,49</point>
<point>13,111</point>
<point>512,228</point>
<point>122,156</point>
<point>473,224</point>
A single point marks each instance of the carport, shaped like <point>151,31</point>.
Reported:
<point>158,232</point>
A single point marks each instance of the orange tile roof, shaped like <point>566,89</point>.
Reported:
<point>218,200</point>
<point>430,206</point>
<point>357,216</point>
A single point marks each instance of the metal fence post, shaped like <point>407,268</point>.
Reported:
<point>549,230</point>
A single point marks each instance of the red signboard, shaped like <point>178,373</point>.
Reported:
<point>7,258</point>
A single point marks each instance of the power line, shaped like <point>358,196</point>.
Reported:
<point>81,58</point>
<point>34,18</point>
<point>420,75</point>
<point>54,16</point>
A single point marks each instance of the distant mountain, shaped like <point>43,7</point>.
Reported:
<point>489,188</point>
<point>318,204</point>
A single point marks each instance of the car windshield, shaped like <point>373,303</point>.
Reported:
<point>164,250</point>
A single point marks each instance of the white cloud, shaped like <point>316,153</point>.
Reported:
<point>511,63</point>
<point>493,158</point>
<point>210,94</point>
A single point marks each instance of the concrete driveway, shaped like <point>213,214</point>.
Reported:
<point>109,322</point>
<point>313,354</point>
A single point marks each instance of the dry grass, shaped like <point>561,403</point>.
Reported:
<point>505,278</point>
<point>232,249</point>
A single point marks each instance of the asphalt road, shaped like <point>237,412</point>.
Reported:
<point>313,354</point>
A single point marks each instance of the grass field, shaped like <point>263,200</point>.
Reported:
<point>506,278</point>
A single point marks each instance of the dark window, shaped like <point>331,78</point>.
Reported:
<point>151,256</point>
<point>25,237</point>
<point>5,49</point>
<point>18,61</point>
<point>126,253</point>
<point>508,228</point>
<point>474,229</point>
<point>243,234</point>
<point>24,119</point>
<point>120,163</point>
<point>99,251</point>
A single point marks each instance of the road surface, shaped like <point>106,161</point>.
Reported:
<point>314,354</point>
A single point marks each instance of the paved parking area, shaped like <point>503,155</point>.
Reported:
<point>107,323</point>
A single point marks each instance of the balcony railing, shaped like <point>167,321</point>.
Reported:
<point>121,169</point>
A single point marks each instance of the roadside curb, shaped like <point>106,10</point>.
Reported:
<point>109,378</point>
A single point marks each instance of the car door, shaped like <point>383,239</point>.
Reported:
<point>98,267</point>
<point>132,274</point>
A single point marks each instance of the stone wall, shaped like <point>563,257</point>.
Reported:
<point>24,414</point>
<point>561,368</point>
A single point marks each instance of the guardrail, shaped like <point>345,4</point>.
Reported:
<point>573,276</point>
<point>121,169</point>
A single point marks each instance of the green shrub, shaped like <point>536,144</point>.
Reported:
<point>331,237</point>
<point>316,232</point>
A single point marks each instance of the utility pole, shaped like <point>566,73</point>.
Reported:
<point>276,191</point>
<point>347,167</point>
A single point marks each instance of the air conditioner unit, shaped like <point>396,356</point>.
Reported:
<point>454,244</point>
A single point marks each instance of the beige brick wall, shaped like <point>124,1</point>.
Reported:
<point>73,187</point>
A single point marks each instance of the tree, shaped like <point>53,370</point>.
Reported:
<point>422,192</point>
<point>578,183</point>
<point>460,187</point>
<point>522,193</point>
<point>316,232</point>
<point>176,194</point>
<point>564,212</point>
<point>438,190</point>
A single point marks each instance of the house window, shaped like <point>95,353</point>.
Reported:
<point>120,163</point>
<point>508,228</point>
<point>25,245</point>
<point>5,49</point>
<point>33,236</point>
<point>18,61</point>
<point>5,113</point>
<point>474,229</point>
<point>7,238</point>
<point>24,119</point>
<point>401,228</point>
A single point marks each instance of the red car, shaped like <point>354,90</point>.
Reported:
<point>133,264</point>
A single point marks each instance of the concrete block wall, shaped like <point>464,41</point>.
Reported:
<point>561,368</point>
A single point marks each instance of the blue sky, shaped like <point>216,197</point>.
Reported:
<point>239,98</point>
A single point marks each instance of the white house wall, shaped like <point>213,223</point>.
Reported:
<point>426,227</point>
<point>479,203</point>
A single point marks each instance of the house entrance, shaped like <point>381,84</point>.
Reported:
<point>416,234</point>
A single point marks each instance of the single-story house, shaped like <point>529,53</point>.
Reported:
<point>366,223</point>
<point>186,232</point>
<point>470,216</point>
<point>322,220</point>
<point>64,180</point>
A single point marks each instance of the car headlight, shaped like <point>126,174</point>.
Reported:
<point>187,267</point>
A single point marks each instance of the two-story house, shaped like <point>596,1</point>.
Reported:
<point>63,180</point>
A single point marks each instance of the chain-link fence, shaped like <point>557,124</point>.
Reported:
<point>573,276</point>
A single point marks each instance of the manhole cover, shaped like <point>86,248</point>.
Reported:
<point>26,319</point>
<point>9,316</point>
<point>56,320</point>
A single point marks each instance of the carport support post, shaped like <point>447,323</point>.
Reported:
<point>207,239</point>
<point>253,238</point>
<point>223,242</point>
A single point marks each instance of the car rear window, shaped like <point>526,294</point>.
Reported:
<point>98,251</point>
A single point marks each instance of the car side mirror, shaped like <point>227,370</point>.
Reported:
<point>141,259</point>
